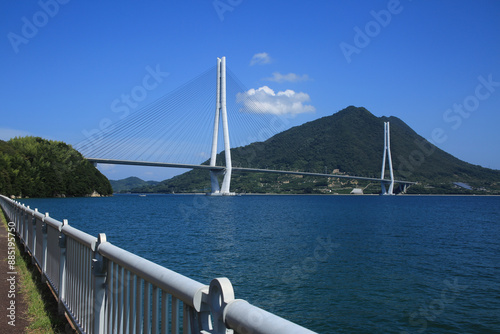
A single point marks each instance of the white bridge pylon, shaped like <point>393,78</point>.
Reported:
<point>221,112</point>
<point>387,153</point>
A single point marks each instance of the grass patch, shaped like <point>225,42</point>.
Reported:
<point>42,313</point>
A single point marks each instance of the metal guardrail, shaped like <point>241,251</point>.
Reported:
<point>105,289</point>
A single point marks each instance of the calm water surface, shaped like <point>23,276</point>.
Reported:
<point>334,264</point>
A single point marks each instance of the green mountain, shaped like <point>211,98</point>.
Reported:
<point>347,142</point>
<point>35,167</point>
<point>130,183</point>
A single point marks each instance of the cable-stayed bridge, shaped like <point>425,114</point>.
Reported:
<point>180,130</point>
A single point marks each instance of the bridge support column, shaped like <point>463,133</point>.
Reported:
<point>221,112</point>
<point>387,154</point>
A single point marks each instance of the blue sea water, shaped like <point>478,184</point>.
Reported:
<point>334,264</point>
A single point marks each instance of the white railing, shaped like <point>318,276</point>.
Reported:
<point>105,289</point>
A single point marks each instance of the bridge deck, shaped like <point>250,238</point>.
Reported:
<point>240,169</point>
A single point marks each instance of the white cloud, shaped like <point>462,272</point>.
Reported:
<point>6,134</point>
<point>264,100</point>
<point>290,77</point>
<point>260,58</point>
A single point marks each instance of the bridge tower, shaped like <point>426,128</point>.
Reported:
<point>221,112</point>
<point>387,153</point>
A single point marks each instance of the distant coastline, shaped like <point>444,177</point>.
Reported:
<point>272,194</point>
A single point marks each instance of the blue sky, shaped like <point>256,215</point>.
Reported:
<point>434,64</point>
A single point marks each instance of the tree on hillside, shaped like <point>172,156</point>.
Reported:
<point>36,167</point>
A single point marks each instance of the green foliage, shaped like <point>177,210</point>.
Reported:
<point>36,167</point>
<point>352,141</point>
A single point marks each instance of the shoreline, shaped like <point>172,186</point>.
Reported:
<point>268,194</point>
<point>272,194</point>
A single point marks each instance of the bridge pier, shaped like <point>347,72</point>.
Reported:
<point>214,182</point>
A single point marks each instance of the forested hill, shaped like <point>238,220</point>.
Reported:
<point>132,182</point>
<point>347,142</point>
<point>35,167</point>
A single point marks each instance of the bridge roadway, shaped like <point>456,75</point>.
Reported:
<point>240,169</point>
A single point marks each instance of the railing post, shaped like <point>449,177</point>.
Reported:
<point>15,216</point>
<point>19,225</point>
<point>44,249</point>
<point>25,231</point>
<point>14,213</point>
<point>220,294</point>
<point>99,273</point>
<point>199,314</point>
<point>62,269</point>
<point>19,218</point>
<point>33,237</point>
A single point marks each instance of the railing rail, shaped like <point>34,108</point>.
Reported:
<point>106,289</point>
